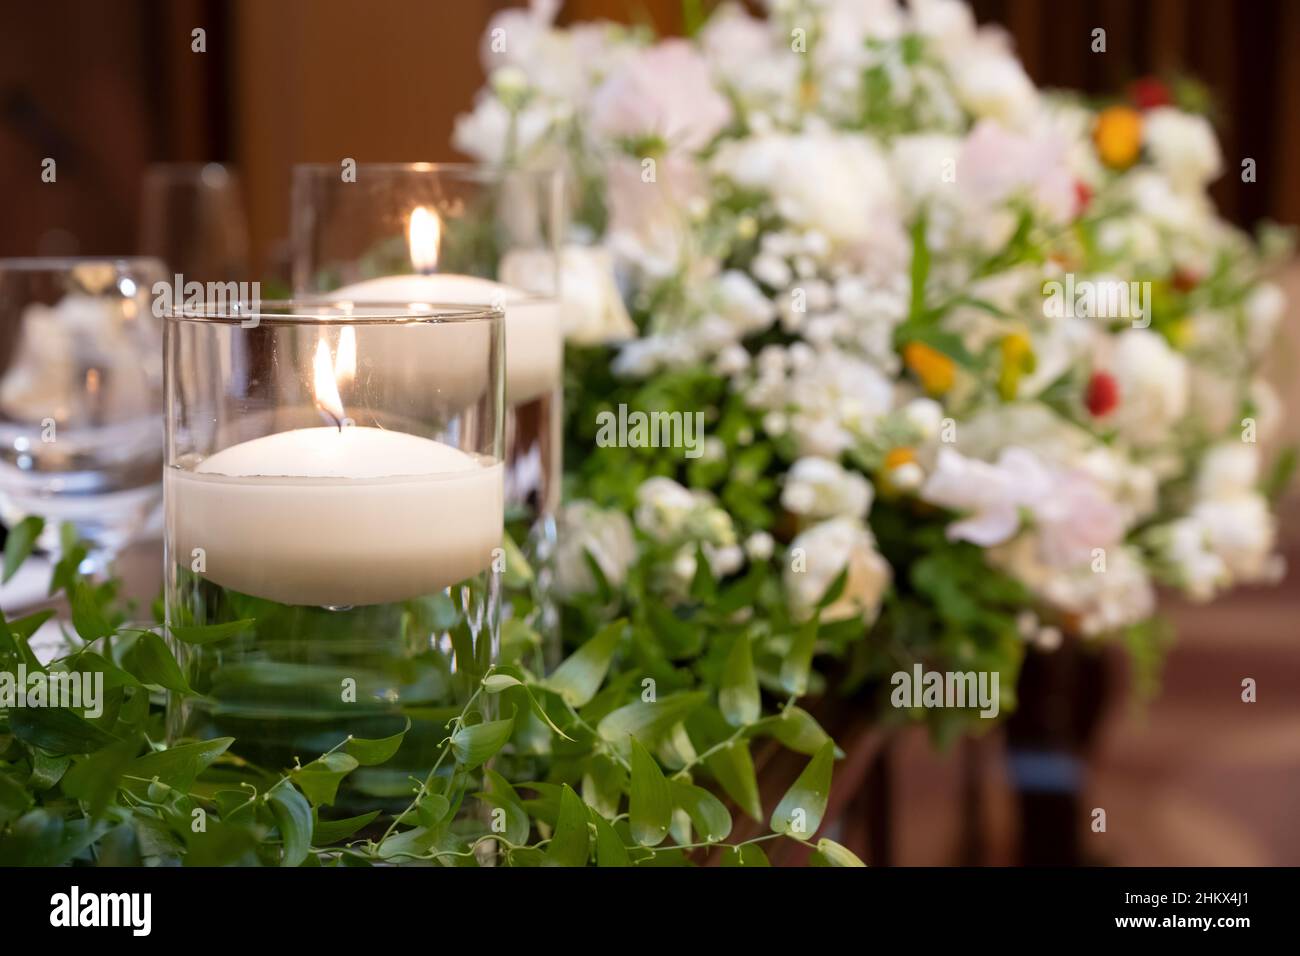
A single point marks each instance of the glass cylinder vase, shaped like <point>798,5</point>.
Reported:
<point>334,512</point>
<point>461,233</point>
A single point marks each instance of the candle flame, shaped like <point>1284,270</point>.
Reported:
<point>423,238</point>
<point>327,387</point>
<point>345,360</point>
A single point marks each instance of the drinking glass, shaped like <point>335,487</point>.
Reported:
<point>461,233</point>
<point>81,434</point>
<point>192,218</point>
<point>334,481</point>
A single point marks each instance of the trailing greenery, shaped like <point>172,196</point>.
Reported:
<point>633,772</point>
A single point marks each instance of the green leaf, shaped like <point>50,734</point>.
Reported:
<point>153,663</point>
<point>800,811</point>
<point>473,745</point>
<point>738,694</point>
<point>496,683</point>
<point>748,854</point>
<point>920,270</point>
<point>518,573</point>
<point>370,753</point>
<point>610,850</point>
<point>432,809</point>
<point>209,633</point>
<point>501,796</point>
<point>414,842</point>
<point>578,678</point>
<point>648,720</point>
<point>651,799</point>
<point>19,544</point>
<point>87,616</point>
<point>797,729</point>
<point>835,855</point>
<point>14,800</point>
<point>95,780</point>
<point>25,627</point>
<point>57,730</point>
<point>181,765</point>
<point>798,663</point>
<point>325,832</point>
<point>708,814</point>
<point>293,816</point>
<point>733,768</point>
<point>572,840</point>
<point>320,779</point>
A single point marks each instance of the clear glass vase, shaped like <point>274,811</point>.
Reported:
<point>461,233</point>
<point>334,482</point>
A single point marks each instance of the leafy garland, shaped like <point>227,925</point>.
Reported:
<point>624,762</point>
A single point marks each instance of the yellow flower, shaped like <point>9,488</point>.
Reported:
<point>899,456</point>
<point>935,370</point>
<point>1017,359</point>
<point>1118,135</point>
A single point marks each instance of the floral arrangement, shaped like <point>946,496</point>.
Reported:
<point>977,364</point>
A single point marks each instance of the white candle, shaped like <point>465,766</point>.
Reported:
<point>323,516</point>
<point>533,331</point>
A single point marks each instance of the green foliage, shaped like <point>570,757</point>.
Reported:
<point>634,774</point>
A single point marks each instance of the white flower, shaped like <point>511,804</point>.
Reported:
<point>1072,515</point>
<point>592,305</point>
<point>996,163</point>
<point>1241,531</point>
<point>605,535</point>
<point>662,91</point>
<point>491,128</point>
<point>1228,469</point>
<point>759,546</point>
<point>990,496</point>
<point>925,415</point>
<point>1153,386</point>
<point>823,552</point>
<point>1264,308</point>
<point>1183,147</point>
<point>820,488</point>
<point>743,304</point>
<point>1184,546</point>
<point>991,83</point>
<point>835,183</point>
<point>664,508</point>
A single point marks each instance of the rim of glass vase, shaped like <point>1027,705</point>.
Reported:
<point>468,169</point>
<point>65,263</point>
<point>313,311</point>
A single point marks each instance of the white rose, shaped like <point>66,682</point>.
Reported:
<point>1183,147</point>
<point>837,184</point>
<point>821,488</point>
<point>1241,531</point>
<point>991,83</point>
<point>825,550</point>
<point>593,306</point>
<point>1153,386</point>
<point>1228,469</point>
<point>605,535</point>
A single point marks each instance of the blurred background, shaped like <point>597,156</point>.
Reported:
<point>107,87</point>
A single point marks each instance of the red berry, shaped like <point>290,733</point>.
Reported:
<point>1148,93</point>
<point>1103,394</point>
<point>1082,196</point>
<point>1185,280</point>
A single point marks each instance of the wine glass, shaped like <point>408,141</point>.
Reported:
<point>81,434</point>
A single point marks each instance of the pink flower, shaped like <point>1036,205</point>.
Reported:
<point>996,163</point>
<point>664,91</point>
